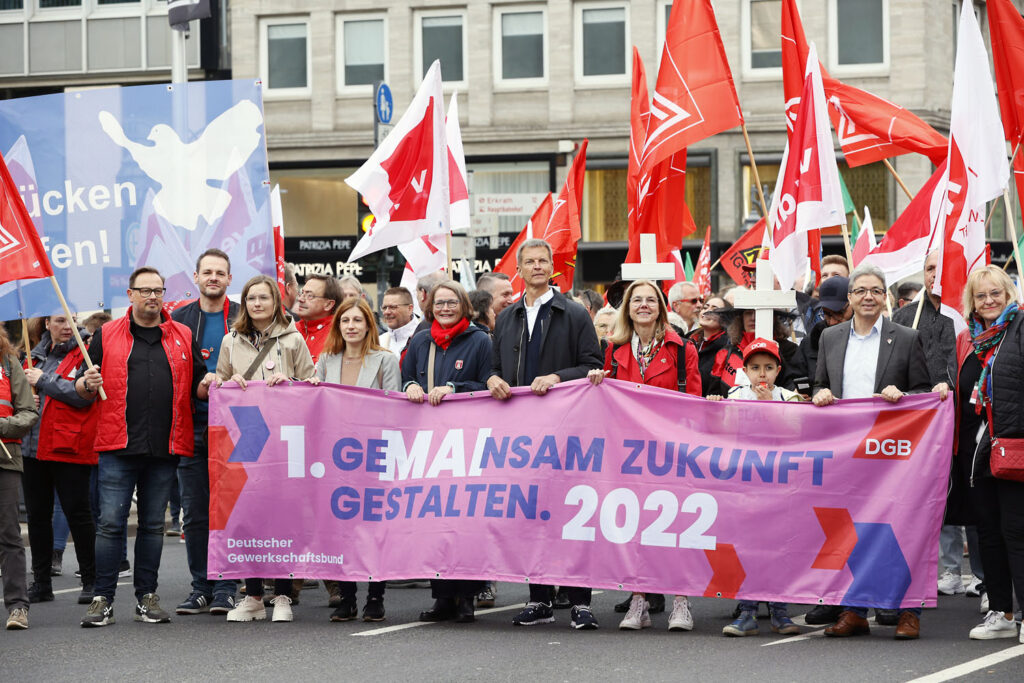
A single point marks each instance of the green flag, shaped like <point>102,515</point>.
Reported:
<point>688,268</point>
<point>847,200</point>
<point>854,230</point>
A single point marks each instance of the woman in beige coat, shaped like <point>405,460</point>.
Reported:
<point>263,345</point>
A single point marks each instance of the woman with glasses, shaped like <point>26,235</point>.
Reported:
<point>709,337</point>
<point>644,349</point>
<point>452,355</point>
<point>265,346</point>
<point>990,366</point>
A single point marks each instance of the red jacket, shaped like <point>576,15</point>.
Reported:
<point>964,348</point>
<point>662,371</point>
<point>315,333</point>
<point>66,433</point>
<point>6,398</point>
<point>176,340</point>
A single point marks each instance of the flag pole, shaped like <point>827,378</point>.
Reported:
<point>757,178</point>
<point>1013,239</point>
<point>846,242</point>
<point>897,177</point>
<point>448,249</point>
<point>25,341</point>
<point>74,330</point>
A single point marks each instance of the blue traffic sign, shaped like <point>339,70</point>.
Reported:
<point>383,103</point>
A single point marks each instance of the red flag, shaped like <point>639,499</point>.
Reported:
<point>744,252</point>
<point>1006,34</point>
<point>695,96</point>
<point>869,128</point>
<point>702,274</point>
<point>22,256</point>
<point>277,220</point>
<point>533,227</point>
<point>640,111</point>
<point>563,230</point>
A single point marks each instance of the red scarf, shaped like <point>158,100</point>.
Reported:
<point>443,336</point>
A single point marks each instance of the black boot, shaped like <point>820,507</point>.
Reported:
<point>443,610</point>
<point>464,610</point>
<point>40,592</point>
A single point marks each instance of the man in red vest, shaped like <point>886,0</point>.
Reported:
<point>152,369</point>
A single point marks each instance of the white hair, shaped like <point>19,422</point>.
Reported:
<point>675,292</point>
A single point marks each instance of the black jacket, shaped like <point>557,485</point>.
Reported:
<point>466,364</point>
<point>937,336</point>
<point>569,346</point>
<point>1007,392</point>
<point>707,353</point>
<point>191,316</point>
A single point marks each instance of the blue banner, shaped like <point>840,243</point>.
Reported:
<point>152,175</point>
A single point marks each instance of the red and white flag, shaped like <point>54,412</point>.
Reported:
<point>977,170</point>
<point>865,240</point>
<point>277,220</point>
<point>702,273</point>
<point>564,228</point>
<point>807,195</point>
<point>694,97</point>
<point>405,180</point>
<point>1006,34</point>
<point>458,184</point>
<point>22,256</point>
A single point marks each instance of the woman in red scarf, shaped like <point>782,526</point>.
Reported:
<point>454,355</point>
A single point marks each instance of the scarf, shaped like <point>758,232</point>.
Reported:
<point>646,354</point>
<point>986,343</point>
<point>443,336</point>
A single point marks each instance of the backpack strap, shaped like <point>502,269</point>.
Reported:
<point>615,363</point>
<point>681,366</point>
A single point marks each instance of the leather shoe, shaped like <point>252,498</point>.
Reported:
<point>849,624</point>
<point>909,627</point>
<point>464,611</point>
<point>823,614</point>
<point>443,610</point>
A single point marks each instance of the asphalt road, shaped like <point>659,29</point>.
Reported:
<point>204,647</point>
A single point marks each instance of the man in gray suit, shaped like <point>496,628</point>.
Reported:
<point>867,356</point>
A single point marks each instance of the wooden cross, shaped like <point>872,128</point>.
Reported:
<point>648,268</point>
<point>765,299</point>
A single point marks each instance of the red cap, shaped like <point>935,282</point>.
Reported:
<point>761,345</point>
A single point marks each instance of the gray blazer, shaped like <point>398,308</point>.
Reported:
<point>901,359</point>
<point>379,370</point>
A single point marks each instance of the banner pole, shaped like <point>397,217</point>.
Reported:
<point>897,177</point>
<point>74,330</point>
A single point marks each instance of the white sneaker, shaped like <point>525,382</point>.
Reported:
<point>680,619</point>
<point>951,583</point>
<point>984,603</point>
<point>282,608</point>
<point>249,609</point>
<point>638,616</point>
<point>994,626</point>
<point>973,587</point>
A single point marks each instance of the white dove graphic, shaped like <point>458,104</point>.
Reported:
<point>184,170</point>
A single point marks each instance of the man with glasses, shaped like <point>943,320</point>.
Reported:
<point>315,307</point>
<point>869,355</point>
<point>398,313</point>
<point>835,308</point>
<point>151,371</point>
<point>684,299</point>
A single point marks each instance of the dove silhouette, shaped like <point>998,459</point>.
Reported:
<point>184,170</point>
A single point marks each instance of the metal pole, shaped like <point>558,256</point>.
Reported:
<point>179,68</point>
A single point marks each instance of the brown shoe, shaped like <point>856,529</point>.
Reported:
<point>909,627</point>
<point>849,624</point>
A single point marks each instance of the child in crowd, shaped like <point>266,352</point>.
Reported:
<point>762,363</point>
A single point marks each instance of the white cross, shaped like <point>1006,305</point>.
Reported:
<point>648,268</point>
<point>765,299</point>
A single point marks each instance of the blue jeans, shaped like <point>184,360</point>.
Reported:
<point>194,477</point>
<point>61,530</point>
<point>751,606</point>
<point>119,477</point>
<point>951,550</point>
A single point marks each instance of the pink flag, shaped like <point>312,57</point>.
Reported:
<point>405,180</point>
<point>977,170</point>
<point>865,240</point>
<point>808,195</point>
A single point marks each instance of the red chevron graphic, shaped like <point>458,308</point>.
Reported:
<point>226,479</point>
<point>728,574</point>
<point>840,537</point>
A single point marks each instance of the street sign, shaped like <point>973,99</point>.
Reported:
<point>507,204</point>
<point>463,247</point>
<point>384,106</point>
<point>483,225</point>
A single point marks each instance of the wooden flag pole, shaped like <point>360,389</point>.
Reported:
<point>74,330</point>
<point>448,249</point>
<point>757,178</point>
<point>846,242</point>
<point>28,346</point>
<point>897,177</point>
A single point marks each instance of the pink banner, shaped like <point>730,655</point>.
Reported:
<point>616,486</point>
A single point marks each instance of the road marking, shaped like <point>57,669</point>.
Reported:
<point>79,589</point>
<point>818,632</point>
<point>415,624</point>
<point>972,666</point>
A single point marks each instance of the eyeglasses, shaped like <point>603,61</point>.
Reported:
<point>146,292</point>
<point>995,295</point>
<point>638,300</point>
<point>308,295</point>
<point>876,292</point>
<point>446,303</point>
<point>393,308</point>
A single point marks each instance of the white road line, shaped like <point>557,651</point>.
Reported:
<point>415,624</point>
<point>972,666</point>
<point>79,589</point>
<point>818,632</point>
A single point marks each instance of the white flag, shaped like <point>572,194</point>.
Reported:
<point>458,185</point>
<point>405,180</point>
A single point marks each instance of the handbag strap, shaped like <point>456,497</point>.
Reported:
<point>259,358</point>
<point>430,367</point>
<point>988,403</point>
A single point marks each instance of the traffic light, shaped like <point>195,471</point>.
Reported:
<point>366,218</point>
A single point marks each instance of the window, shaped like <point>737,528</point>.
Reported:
<point>521,55</point>
<point>859,36</point>
<point>761,28</point>
<point>11,4</point>
<point>442,36</point>
<point>285,57</point>
<point>601,53</point>
<point>362,51</point>
<point>47,4</point>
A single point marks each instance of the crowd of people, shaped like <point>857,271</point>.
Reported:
<point>148,439</point>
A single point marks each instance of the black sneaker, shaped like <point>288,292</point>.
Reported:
<point>582,618</point>
<point>38,592</point>
<point>124,570</point>
<point>149,611</point>
<point>656,602</point>
<point>534,613</point>
<point>373,610</point>
<point>222,603</point>
<point>196,603</point>
<point>346,611</point>
<point>623,607</point>
<point>561,600</point>
<point>57,564</point>
<point>100,613</point>
<point>86,596</point>
<point>823,614</point>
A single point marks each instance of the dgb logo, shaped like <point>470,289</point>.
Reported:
<point>895,434</point>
